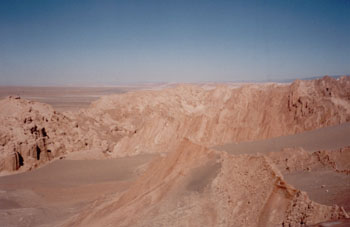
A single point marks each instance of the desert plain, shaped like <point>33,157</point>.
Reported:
<point>210,154</point>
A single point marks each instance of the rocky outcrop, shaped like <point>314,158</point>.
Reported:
<point>194,186</point>
<point>152,121</point>
<point>191,185</point>
<point>11,162</point>
<point>33,134</point>
<point>322,101</point>
<point>291,160</point>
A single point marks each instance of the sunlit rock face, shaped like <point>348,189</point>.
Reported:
<point>33,133</point>
<point>151,121</point>
<point>189,183</point>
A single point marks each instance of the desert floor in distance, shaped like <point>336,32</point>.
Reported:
<point>308,169</point>
<point>65,98</point>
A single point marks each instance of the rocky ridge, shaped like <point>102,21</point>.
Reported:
<point>195,186</point>
<point>151,121</point>
<point>190,185</point>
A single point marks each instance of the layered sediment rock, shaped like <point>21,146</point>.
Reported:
<point>191,185</point>
<point>152,121</point>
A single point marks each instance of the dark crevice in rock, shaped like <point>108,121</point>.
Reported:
<point>38,151</point>
<point>20,159</point>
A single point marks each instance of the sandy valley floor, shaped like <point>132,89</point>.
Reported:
<point>63,188</point>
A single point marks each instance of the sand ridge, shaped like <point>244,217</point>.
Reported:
<point>177,190</point>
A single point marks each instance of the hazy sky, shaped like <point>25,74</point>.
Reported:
<point>101,42</point>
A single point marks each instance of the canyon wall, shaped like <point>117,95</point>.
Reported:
<point>152,121</point>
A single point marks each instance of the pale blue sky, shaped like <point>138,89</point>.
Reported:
<point>110,42</point>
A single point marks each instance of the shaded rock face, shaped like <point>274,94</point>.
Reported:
<point>11,162</point>
<point>152,121</point>
<point>243,190</point>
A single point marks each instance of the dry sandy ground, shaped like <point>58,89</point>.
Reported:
<point>190,185</point>
<point>323,186</point>
<point>326,138</point>
<point>63,98</point>
<point>63,188</point>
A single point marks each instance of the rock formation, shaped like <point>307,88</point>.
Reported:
<point>151,121</point>
<point>33,133</point>
<point>296,159</point>
<point>195,186</point>
<point>190,185</point>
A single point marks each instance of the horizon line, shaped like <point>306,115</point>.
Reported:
<point>160,83</point>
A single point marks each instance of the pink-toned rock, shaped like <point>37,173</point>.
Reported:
<point>29,130</point>
<point>152,121</point>
<point>194,186</point>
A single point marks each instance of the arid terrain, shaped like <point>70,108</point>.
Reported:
<point>264,154</point>
<point>65,98</point>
